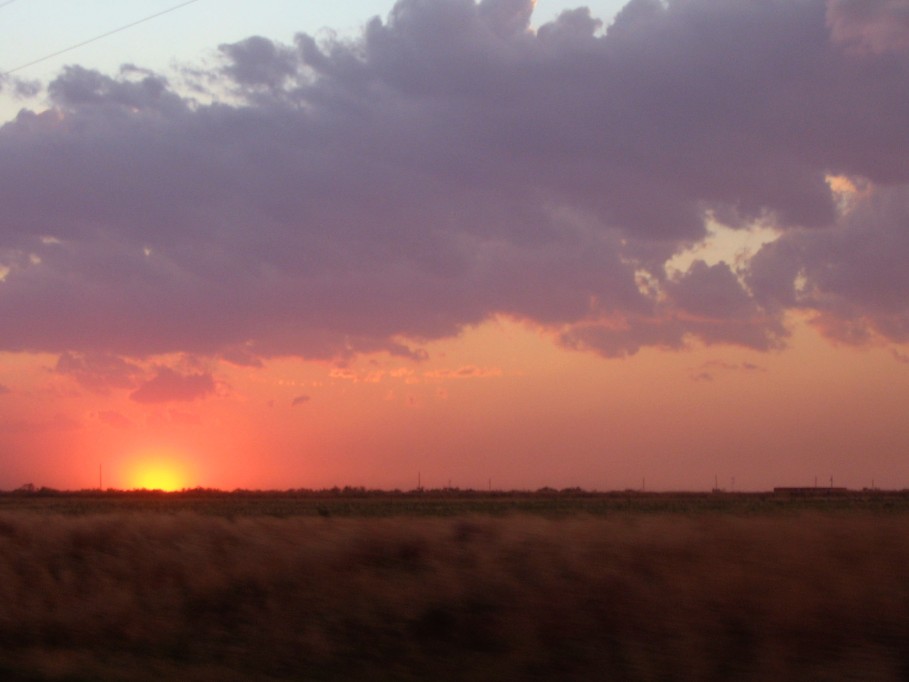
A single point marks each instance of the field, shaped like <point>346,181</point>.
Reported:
<point>451,585</point>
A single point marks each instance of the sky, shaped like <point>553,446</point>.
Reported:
<point>500,244</point>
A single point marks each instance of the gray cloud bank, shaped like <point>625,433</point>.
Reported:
<point>333,197</point>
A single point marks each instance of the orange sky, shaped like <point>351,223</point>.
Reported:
<point>501,403</point>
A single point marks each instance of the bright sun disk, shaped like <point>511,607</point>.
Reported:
<point>157,473</point>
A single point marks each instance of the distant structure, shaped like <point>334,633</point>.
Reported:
<point>810,491</point>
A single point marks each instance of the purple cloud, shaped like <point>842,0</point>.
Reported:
<point>168,385</point>
<point>852,276</point>
<point>870,25</point>
<point>448,165</point>
<point>20,88</point>
<point>299,400</point>
<point>98,372</point>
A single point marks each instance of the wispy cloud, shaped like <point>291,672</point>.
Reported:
<point>465,372</point>
<point>707,370</point>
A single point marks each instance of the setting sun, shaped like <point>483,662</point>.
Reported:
<point>157,472</point>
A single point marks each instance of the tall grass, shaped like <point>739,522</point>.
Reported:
<point>150,596</point>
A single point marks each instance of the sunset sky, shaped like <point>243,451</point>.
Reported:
<point>294,244</point>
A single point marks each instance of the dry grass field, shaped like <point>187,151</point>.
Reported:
<point>131,591</point>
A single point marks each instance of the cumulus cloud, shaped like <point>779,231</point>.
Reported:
<point>328,198</point>
<point>258,61</point>
<point>853,277</point>
<point>168,385</point>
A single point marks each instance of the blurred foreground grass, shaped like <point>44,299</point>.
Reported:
<point>118,593</point>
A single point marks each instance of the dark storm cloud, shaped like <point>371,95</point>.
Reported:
<point>331,197</point>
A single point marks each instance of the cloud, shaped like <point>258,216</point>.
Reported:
<point>98,372</point>
<point>21,89</point>
<point>168,385</point>
<point>624,337</point>
<point>870,25</point>
<point>706,371</point>
<point>327,198</point>
<point>707,303</point>
<point>852,277</point>
<point>299,400</point>
<point>5,389</point>
<point>258,62</point>
<point>465,372</point>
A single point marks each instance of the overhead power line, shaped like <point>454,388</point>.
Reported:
<point>98,37</point>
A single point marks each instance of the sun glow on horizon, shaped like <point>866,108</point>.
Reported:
<point>157,471</point>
